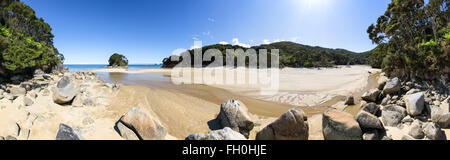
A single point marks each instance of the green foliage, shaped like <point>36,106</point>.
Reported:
<point>412,36</point>
<point>118,60</point>
<point>290,55</point>
<point>26,42</point>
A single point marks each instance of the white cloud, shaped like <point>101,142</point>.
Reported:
<point>266,41</point>
<point>236,42</point>
<point>223,43</point>
<point>211,19</point>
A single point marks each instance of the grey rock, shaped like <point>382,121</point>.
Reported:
<point>386,100</point>
<point>223,134</point>
<point>372,108</point>
<point>350,101</point>
<point>416,130</point>
<point>125,132</point>
<point>291,125</point>
<point>371,95</point>
<point>65,91</point>
<point>368,121</point>
<point>17,91</point>
<point>433,131</point>
<point>143,124</point>
<point>438,116</point>
<point>66,132</point>
<point>27,101</point>
<point>338,125</point>
<point>407,119</point>
<point>415,103</point>
<point>234,114</point>
<point>392,115</point>
<point>412,91</point>
<point>393,85</point>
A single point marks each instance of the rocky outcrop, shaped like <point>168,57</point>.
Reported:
<point>415,103</point>
<point>223,134</point>
<point>393,85</point>
<point>292,125</point>
<point>392,115</point>
<point>371,96</point>
<point>337,125</point>
<point>66,132</point>
<point>64,91</point>
<point>234,114</point>
<point>143,125</point>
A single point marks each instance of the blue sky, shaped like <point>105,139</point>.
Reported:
<point>146,31</point>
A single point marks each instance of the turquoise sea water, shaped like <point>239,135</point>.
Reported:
<point>87,67</point>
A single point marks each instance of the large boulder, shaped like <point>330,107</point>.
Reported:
<point>440,117</point>
<point>368,121</point>
<point>372,95</point>
<point>64,91</point>
<point>433,131</point>
<point>223,134</point>
<point>143,124</point>
<point>415,103</point>
<point>416,131</point>
<point>393,85</point>
<point>338,125</point>
<point>392,115</point>
<point>292,125</point>
<point>234,114</point>
<point>66,132</point>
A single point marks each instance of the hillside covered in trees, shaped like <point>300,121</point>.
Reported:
<point>413,38</point>
<point>26,41</point>
<point>291,55</point>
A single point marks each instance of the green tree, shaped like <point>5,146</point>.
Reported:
<point>411,37</point>
<point>26,41</point>
<point>118,60</point>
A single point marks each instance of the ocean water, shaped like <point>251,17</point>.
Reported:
<point>87,67</point>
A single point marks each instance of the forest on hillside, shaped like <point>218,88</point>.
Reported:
<point>290,55</point>
<point>26,41</point>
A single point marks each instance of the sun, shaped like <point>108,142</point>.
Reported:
<point>312,4</point>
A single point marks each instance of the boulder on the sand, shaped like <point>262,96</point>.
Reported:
<point>440,117</point>
<point>415,103</point>
<point>17,91</point>
<point>64,91</point>
<point>234,114</point>
<point>27,101</point>
<point>393,85</point>
<point>433,131</point>
<point>338,125</point>
<point>350,100</point>
<point>368,121</point>
<point>292,125</point>
<point>66,132</point>
<point>371,95</point>
<point>126,132</point>
<point>372,108</point>
<point>143,124</point>
<point>223,134</point>
<point>392,115</point>
<point>416,131</point>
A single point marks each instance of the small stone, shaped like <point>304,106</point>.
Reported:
<point>371,95</point>
<point>416,130</point>
<point>65,132</point>
<point>368,121</point>
<point>27,101</point>
<point>433,131</point>
<point>350,101</point>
